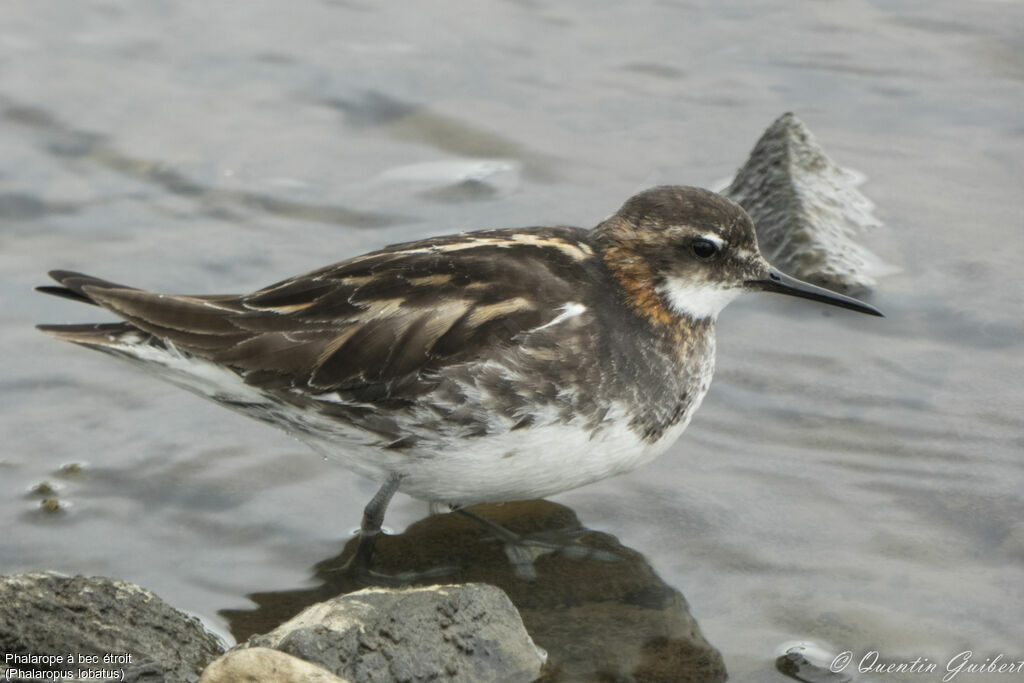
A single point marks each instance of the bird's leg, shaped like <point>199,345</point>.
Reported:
<point>373,519</point>
<point>359,565</point>
<point>522,550</point>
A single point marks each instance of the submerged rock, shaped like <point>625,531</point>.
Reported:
<point>813,663</point>
<point>96,625</point>
<point>807,209</point>
<point>597,607</point>
<point>467,632</point>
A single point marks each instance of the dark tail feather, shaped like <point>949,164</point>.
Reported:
<point>73,286</point>
<point>66,294</point>
<point>100,334</point>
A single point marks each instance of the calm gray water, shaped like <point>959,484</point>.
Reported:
<point>852,482</point>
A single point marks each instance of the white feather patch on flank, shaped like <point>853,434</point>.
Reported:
<point>569,310</point>
<point>697,300</point>
<point>202,377</point>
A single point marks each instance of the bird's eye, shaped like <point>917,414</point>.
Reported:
<point>704,249</point>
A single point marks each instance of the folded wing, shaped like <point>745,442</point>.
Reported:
<point>382,323</point>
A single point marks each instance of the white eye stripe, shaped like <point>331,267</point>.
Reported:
<point>714,239</point>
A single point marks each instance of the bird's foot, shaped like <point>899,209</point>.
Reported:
<point>523,550</point>
<point>370,577</point>
<point>358,568</point>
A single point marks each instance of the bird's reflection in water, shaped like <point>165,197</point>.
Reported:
<point>597,607</point>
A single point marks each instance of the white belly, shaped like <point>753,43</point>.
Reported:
<point>513,465</point>
<point>504,465</point>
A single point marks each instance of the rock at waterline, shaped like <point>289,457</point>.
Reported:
<point>597,607</point>
<point>103,625</point>
<point>808,211</point>
<point>469,632</point>
<point>263,665</point>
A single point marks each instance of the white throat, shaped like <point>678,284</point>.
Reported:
<point>697,301</point>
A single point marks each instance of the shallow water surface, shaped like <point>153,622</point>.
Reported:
<point>850,482</point>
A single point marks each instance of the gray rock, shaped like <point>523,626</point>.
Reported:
<point>467,632</point>
<point>263,665</point>
<point>597,607</point>
<point>99,623</point>
<point>807,209</point>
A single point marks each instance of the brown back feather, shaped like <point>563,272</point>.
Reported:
<point>385,319</point>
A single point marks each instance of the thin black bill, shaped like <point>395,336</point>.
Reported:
<point>784,284</point>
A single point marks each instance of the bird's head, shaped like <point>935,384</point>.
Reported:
<point>686,251</point>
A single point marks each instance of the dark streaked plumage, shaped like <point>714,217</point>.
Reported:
<point>485,366</point>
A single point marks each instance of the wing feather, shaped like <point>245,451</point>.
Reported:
<point>381,322</point>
